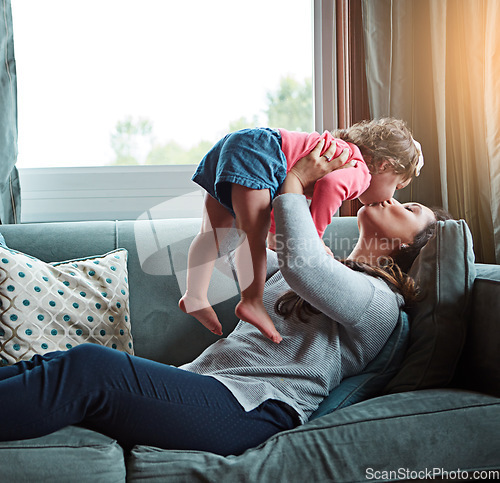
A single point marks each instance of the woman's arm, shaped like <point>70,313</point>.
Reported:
<point>339,292</point>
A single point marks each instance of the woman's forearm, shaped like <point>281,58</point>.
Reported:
<point>292,184</point>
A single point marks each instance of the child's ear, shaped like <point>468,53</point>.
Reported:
<point>380,166</point>
<point>384,166</point>
<point>403,184</point>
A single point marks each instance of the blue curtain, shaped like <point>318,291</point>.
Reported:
<point>10,192</point>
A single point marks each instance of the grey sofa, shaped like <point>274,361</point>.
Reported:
<point>441,420</point>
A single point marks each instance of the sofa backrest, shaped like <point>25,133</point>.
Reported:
<point>157,270</point>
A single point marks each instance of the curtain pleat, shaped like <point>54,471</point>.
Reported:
<point>10,191</point>
<point>440,62</point>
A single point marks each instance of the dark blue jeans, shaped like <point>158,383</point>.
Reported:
<point>134,400</point>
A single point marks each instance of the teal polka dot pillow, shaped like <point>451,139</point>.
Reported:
<point>46,307</point>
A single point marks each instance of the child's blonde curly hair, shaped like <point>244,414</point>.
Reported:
<point>385,139</point>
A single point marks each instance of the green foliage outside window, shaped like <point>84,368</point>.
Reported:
<point>289,107</point>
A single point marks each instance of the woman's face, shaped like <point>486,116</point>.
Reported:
<point>391,220</point>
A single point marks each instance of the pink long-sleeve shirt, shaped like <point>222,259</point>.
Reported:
<point>334,188</point>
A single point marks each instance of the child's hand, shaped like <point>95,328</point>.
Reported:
<point>306,171</point>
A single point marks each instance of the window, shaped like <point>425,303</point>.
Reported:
<point>86,72</point>
<point>121,82</point>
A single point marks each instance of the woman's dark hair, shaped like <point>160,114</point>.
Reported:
<point>391,269</point>
<point>405,257</point>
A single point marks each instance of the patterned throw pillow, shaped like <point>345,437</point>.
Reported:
<point>47,307</point>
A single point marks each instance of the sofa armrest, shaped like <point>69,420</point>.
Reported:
<point>479,368</point>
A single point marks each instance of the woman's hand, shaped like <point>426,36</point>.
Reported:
<point>306,171</point>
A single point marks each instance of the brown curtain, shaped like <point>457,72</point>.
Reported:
<point>436,64</point>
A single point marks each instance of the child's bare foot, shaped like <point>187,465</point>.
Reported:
<point>255,314</point>
<point>202,311</point>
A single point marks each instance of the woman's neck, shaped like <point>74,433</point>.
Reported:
<point>370,249</point>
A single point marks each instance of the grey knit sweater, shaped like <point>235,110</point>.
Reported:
<point>359,313</point>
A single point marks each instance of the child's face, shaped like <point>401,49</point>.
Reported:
<point>383,185</point>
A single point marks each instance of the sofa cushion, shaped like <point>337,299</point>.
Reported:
<point>47,307</point>
<point>445,272</point>
<point>394,433</point>
<point>71,454</point>
<point>372,380</point>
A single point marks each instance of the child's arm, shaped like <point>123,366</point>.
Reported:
<point>332,190</point>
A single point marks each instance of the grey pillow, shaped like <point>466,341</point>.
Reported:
<point>445,272</point>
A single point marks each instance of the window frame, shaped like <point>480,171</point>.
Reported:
<point>107,192</point>
<point>126,192</point>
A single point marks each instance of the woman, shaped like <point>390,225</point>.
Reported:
<point>244,388</point>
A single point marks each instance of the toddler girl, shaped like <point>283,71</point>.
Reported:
<point>242,174</point>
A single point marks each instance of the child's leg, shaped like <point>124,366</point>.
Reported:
<point>252,209</point>
<point>201,259</point>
